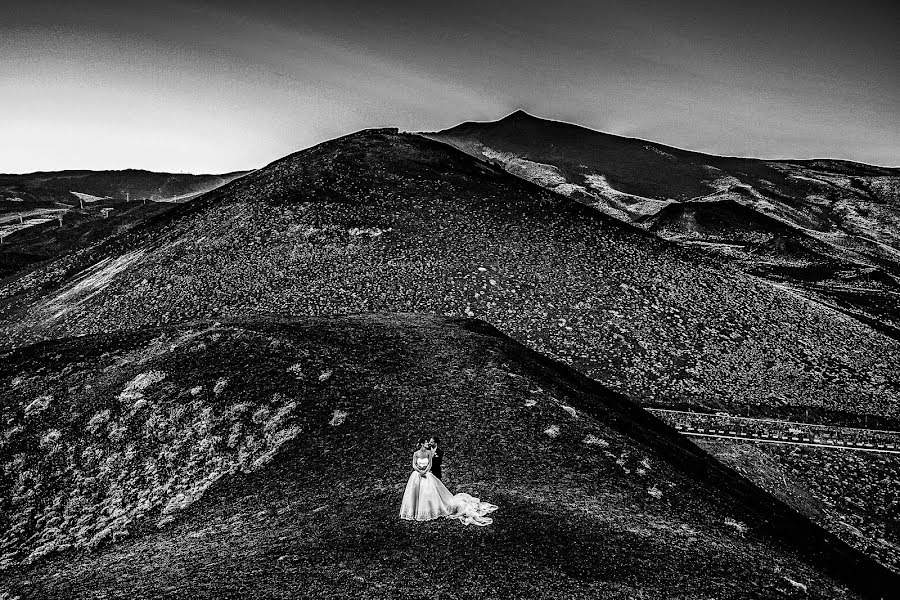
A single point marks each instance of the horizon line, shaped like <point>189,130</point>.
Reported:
<point>640,139</point>
<point>473,122</point>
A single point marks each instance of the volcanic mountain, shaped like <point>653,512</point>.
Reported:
<point>828,229</point>
<point>266,458</point>
<point>381,221</point>
<point>47,214</point>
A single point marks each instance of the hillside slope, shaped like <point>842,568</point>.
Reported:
<point>267,459</point>
<point>48,186</point>
<point>382,221</point>
<point>48,214</point>
<point>852,494</point>
<point>845,216</point>
<point>38,236</point>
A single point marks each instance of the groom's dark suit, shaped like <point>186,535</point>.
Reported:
<point>436,462</point>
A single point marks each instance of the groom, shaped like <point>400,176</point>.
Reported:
<point>436,460</point>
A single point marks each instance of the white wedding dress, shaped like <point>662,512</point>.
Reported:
<point>426,498</point>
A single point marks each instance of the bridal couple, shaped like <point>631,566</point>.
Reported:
<point>427,498</point>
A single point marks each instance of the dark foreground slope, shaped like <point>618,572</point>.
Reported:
<point>267,459</point>
<point>381,221</point>
<point>830,229</point>
<point>851,493</point>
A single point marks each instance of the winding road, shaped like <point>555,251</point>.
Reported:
<point>774,431</point>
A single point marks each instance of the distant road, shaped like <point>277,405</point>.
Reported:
<point>782,421</point>
<point>776,431</point>
<point>27,215</point>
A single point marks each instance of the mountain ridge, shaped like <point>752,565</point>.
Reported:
<point>523,115</point>
<point>845,214</point>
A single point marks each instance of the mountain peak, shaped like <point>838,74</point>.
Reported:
<point>518,115</point>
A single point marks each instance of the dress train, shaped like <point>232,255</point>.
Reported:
<point>427,498</point>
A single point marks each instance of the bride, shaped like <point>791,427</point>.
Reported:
<point>426,498</point>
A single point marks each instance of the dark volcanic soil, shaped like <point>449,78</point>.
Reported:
<point>267,459</point>
<point>851,493</point>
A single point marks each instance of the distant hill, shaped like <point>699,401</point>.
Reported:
<point>383,221</point>
<point>266,458</point>
<point>48,214</point>
<point>46,186</point>
<point>833,227</point>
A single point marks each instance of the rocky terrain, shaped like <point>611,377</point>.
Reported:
<point>826,229</point>
<point>382,221</point>
<point>49,214</point>
<point>851,493</point>
<point>266,458</point>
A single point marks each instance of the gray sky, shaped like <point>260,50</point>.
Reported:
<point>213,87</point>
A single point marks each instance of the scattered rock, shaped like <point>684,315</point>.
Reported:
<point>261,415</point>
<point>50,439</point>
<point>338,417</point>
<point>592,440</point>
<point>372,232</point>
<point>97,421</point>
<point>38,405</point>
<point>220,386</point>
<point>738,526</point>
<point>134,390</point>
<point>233,411</point>
<point>796,584</point>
